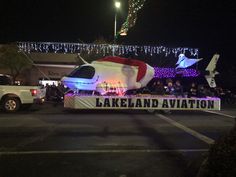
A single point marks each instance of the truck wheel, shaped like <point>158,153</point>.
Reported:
<point>11,104</point>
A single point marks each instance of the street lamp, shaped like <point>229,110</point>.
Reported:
<point>117,6</point>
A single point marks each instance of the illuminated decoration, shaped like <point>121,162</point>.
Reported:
<point>184,62</point>
<point>173,72</point>
<point>116,75</point>
<point>105,49</point>
<point>110,75</point>
<point>134,7</point>
<point>111,88</point>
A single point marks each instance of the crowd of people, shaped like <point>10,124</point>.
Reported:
<point>55,92</point>
<point>170,87</point>
<point>159,87</point>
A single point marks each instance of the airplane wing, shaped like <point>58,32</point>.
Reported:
<point>211,81</point>
<point>187,62</point>
<point>212,65</point>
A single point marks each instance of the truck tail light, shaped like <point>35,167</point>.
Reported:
<point>33,92</point>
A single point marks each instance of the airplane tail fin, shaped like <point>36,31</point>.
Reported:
<point>211,69</point>
<point>211,81</point>
<point>212,65</point>
<point>83,60</point>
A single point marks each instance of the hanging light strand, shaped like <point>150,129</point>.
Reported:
<point>134,50</point>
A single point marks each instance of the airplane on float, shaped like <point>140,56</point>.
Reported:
<point>114,74</point>
<point>117,74</point>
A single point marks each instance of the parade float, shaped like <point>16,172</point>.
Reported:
<point>109,79</point>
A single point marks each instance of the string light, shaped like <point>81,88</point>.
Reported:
<point>104,49</point>
<point>134,7</point>
<point>173,72</point>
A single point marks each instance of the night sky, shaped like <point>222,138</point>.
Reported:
<point>205,24</point>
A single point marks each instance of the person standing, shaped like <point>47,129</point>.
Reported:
<point>178,89</point>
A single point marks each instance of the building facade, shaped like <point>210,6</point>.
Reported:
<point>47,68</point>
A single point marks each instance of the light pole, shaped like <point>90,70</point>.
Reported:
<point>117,6</point>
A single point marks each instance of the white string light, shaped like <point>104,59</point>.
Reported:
<point>56,47</point>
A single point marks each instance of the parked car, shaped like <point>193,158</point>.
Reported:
<point>13,97</point>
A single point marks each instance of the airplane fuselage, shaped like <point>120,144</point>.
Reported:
<point>107,76</point>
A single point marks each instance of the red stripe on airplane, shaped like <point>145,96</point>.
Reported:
<point>142,67</point>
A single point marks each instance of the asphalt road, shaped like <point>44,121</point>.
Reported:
<point>50,141</point>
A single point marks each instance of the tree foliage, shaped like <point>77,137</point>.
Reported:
<point>13,60</point>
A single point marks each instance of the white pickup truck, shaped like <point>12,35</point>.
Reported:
<point>13,97</point>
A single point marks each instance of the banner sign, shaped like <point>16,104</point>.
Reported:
<point>140,102</point>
